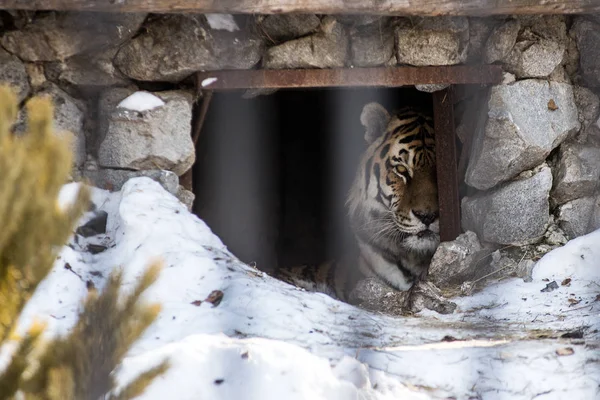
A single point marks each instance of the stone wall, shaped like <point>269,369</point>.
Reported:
<point>534,166</point>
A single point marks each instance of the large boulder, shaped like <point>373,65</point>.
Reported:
<point>13,72</point>
<point>517,212</point>
<point>577,172</point>
<point>432,41</point>
<point>149,132</point>
<point>371,45</point>
<point>174,46</point>
<point>57,36</point>
<point>587,35</point>
<point>328,48</point>
<point>526,120</point>
<point>580,216</point>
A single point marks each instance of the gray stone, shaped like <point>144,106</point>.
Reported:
<point>281,27</point>
<point>174,46</point>
<point>374,295</point>
<point>324,49</point>
<point>577,172</point>
<point>433,41</point>
<point>454,260</point>
<point>580,216</point>
<point>540,47</point>
<point>13,73</point>
<point>479,31</point>
<point>57,36</point>
<point>588,107</point>
<point>154,139</point>
<point>516,212</point>
<point>541,58</point>
<point>525,270</point>
<point>523,127</point>
<point>372,45</point>
<point>186,197</point>
<point>69,117</point>
<point>587,35</point>
<point>107,103</point>
<point>114,179</point>
<point>501,41</point>
<point>36,74</point>
<point>430,88</point>
<point>357,20</point>
<point>90,69</point>
<point>425,295</point>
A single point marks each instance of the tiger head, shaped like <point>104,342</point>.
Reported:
<point>393,204</point>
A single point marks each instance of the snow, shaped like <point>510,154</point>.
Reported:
<point>269,340</point>
<point>141,101</point>
<point>223,22</point>
<point>208,81</point>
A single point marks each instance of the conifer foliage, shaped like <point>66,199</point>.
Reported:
<point>33,168</point>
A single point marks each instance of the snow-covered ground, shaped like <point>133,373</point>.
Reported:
<point>268,340</point>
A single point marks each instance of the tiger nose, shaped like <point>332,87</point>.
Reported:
<point>426,217</point>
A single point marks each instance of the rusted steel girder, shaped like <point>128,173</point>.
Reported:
<point>445,154</point>
<point>349,77</point>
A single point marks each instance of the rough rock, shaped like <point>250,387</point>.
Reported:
<point>371,45</point>
<point>114,179</point>
<point>281,27</point>
<point>430,88</point>
<point>13,72</point>
<point>501,41</point>
<point>374,295</point>
<point>479,31</point>
<point>107,102</point>
<point>580,216</point>
<point>540,47</point>
<point>174,46</point>
<point>577,172</point>
<point>186,197</point>
<point>516,212</point>
<point>154,139</point>
<point>587,35</point>
<point>324,49</point>
<point>90,69</point>
<point>36,74</point>
<point>57,36</point>
<point>523,127</point>
<point>588,107</point>
<point>356,20</point>
<point>425,295</point>
<point>432,41</point>
<point>69,117</point>
<point>455,261</point>
<point>95,226</point>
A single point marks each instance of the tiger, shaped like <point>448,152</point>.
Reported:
<point>392,208</point>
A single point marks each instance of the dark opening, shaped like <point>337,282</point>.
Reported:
<point>272,172</point>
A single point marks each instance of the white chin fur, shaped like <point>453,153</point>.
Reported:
<point>423,245</point>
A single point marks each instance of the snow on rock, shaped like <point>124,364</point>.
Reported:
<point>269,340</point>
<point>223,22</point>
<point>141,101</point>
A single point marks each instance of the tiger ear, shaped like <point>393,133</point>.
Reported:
<point>375,119</point>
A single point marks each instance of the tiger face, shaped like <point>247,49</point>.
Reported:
<point>393,203</point>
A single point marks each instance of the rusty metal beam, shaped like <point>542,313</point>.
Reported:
<point>349,77</point>
<point>447,177</point>
<point>381,7</point>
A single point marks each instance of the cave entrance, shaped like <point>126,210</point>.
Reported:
<point>273,171</point>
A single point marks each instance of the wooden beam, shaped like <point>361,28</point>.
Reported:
<point>349,77</point>
<point>382,7</point>
<point>445,157</point>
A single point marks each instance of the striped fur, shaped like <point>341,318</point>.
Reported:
<point>392,206</point>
